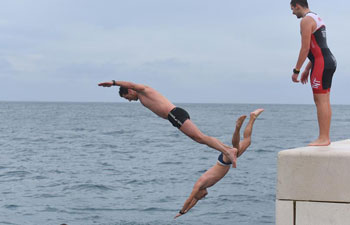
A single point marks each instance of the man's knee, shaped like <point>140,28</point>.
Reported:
<point>316,100</point>
<point>321,99</point>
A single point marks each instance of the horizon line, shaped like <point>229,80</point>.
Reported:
<point>103,102</point>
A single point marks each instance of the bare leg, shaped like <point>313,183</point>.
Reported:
<point>236,134</point>
<point>244,144</point>
<point>191,130</point>
<point>324,115</point>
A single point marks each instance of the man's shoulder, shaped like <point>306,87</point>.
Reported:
<point>146,88</point>
<point>149,88</point>
<point>307,21</point>
<point>147,91</point>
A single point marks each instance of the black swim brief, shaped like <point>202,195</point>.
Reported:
<point>221,160</point>
<point>177,116</point>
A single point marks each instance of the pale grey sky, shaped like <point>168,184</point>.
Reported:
<point>225,51</point>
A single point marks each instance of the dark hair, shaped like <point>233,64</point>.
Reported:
<point>302,3</point>
<point>122,91</point>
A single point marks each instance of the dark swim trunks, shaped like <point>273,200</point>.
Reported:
<point>221,160</point>
<point>177,116</point>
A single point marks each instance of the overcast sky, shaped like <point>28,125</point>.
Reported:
<point>223,51</point>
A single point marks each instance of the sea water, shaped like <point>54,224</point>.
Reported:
<point>118,163</point>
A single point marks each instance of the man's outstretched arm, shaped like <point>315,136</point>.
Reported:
<point>126,84</point>
<point>189,203</point>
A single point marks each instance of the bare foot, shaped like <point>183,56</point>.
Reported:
<point>256,113</point>
<point>320,142</point>
<point>232,155</point>
<point>240,121</point>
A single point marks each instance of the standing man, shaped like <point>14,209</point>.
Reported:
<point>322,65</point>
<point>178,117</point>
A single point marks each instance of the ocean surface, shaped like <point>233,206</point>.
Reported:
<point>119,164</point>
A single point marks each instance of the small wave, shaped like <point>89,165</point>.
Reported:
<point>50,209</point>
<point>88,187</point>
<point>78,129</point>
<point>18,173</point>
<point>102,209</point>
<point>11,206</point>
<point>120,151</point>
<point>107,146</point>
<point>142,182</point>
<point>170,163</point>
<point>270,148</point>
<point>105,164</point>
<point>117,132</point>
<point>40,177</point>
<point>162,145</point>
<point>46,196</point>
<point>134,182</point>
<point>56,171</point>
<point>88,145</point>
<point>40,139</point>
<point>155,209</point>
<point>19,139</point>
<point>167,199</point>
<point>7,223</point>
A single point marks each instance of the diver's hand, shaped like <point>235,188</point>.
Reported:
<point>106,84</point>
<point>177,215</point>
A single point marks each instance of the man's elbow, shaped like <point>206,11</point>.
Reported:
<point>305,49</point>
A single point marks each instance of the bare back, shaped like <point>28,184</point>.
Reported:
<point>155,102</point>
<point>213,175</point>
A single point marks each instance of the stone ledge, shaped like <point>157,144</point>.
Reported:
<point>315,173</point>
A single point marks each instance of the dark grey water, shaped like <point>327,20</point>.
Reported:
<point>114,163</point>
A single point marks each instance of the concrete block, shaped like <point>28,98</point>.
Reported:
<point>284,212</point>
<point>320,213</point>
<point>315,173</point>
